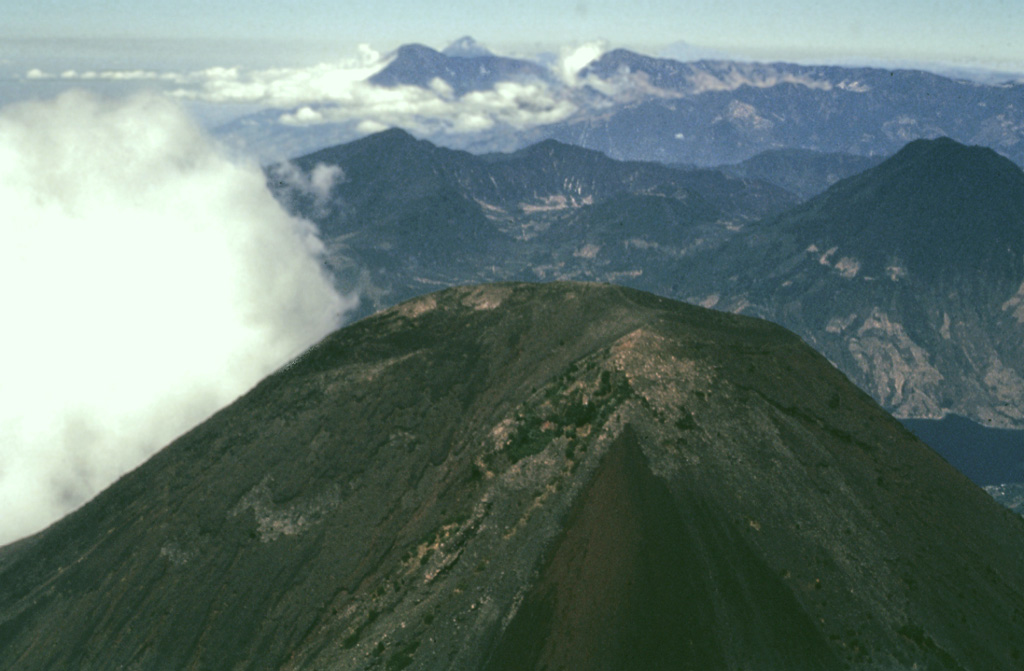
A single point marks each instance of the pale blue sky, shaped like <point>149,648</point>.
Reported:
<point>952,31</point>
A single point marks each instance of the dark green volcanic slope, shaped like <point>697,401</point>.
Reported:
<point>802,171</point>
<point>907,276</point>
<point>937,207</point>
<point>524,477</point>
<point>406,217</point>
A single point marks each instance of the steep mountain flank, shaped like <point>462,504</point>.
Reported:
<point>527,476</point>
<point>907,276</point>
<point>627,587</point>
<point>802,171</point>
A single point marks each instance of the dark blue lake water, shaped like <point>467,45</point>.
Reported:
<point>985,455</point>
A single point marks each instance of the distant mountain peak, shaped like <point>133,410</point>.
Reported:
<point>906,275</point>
<point>466,47</point>
<point>394,134</point>
<point>391,137</point>
<point>952,171</point>
<point>946,149</point>
<point>551,146</point>
<point>936,204</point>
<point>617,58</point>
<point>465,65</point>
<point>384,146</point>
<point>415,49</point>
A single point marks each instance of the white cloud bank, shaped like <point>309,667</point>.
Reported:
<point>340,93</point>
<point>283,87</point>
<point>146,280</point>
<point>273,87</point>
<point>517,104</point>
<point>434,110</point>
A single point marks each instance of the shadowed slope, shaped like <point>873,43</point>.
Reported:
<point>639,581</point>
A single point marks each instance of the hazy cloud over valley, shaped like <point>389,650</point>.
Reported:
<point>340,92</point>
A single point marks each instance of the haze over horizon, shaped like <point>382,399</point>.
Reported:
<point>224,60</point>
<point>954,32</point>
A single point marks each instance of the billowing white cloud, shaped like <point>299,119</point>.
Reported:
<point>575,59</point>
<point>317,185</point>
<point>323,178</point>
<point>436,111</point>
<point>284,87</point>
<point>272,87</point>
<point>341,93</point>
<point>146,280</point>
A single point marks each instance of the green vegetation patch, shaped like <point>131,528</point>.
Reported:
<point>529,438</point>
<point>925,642</point>
<point>403,657</point>
<point>686,422</point>
<point>353,638</point>
<point>564,413</point>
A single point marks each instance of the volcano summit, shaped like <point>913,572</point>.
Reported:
<point>524,477</point>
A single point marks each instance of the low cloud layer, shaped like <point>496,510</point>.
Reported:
<point>341,92</point>
<point>435,110</point>
<point>146,280</point>
<point>341,97</point>
<point>272,87</point>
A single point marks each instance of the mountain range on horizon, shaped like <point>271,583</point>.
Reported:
<point>523,476</point>
<point>635,107</point>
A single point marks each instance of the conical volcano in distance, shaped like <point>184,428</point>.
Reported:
<point>525,477</point>
<point>908,276</point>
